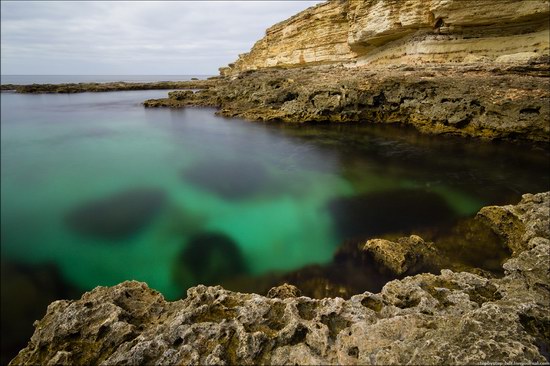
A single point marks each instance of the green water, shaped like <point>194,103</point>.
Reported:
<point>273,200</point>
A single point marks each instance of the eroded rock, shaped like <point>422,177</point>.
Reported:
<point>404,255</point>
<point>386,32</point>
<point>488,101</point>
<point>451,318</point>
<point>520,224</point>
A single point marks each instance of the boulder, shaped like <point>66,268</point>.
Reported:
<point>409,254</point>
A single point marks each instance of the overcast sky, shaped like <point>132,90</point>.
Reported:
<point>139,37</point>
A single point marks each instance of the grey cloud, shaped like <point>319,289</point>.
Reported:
<point>187,37</point>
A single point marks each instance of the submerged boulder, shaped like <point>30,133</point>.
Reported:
<point>230,180</point>
<point>27,290</point>
<point>118,216</point>
<point>389,211</point>
<point>211,257</point>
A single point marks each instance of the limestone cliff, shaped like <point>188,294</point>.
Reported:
<point>451,318</point>
<point>388,32</point>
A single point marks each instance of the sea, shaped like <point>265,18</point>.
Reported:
<point>65,79</point>
<point>96,190</point>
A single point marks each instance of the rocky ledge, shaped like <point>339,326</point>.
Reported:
<point>450,318</point>
<point>489,101</point>
<point>479,69</point>
<point>106,87</point>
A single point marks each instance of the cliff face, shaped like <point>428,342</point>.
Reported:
<point>451,318</point>
<point>315,36</point>
<point>388,32</point>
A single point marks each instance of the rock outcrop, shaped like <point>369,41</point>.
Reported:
<point>407,254</point>
<point>451,318</point>
<point>487,101</point>
<point>388,32</point>
<point>107,87</point>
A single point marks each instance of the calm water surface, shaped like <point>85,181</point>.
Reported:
<point>108,191</point>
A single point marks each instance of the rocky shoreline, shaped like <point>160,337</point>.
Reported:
<point>106,87</point>
<point>477,71</point>
<point>506,102</point>
<point>450,318</point>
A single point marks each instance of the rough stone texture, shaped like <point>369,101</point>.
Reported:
<point>520,225</point>
<point>315,36</point>
<point>451,318</point>
<point>404,255</point>
<point>382,32</point>
<point>504,102</point>
<point>284,291</point>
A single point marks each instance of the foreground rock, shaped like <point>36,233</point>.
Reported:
<point>449,318</point>
<point>407,254</point>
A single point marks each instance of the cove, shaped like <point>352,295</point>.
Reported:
<point>107,190</point>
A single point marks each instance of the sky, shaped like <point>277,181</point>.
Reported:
<point>133,37</point>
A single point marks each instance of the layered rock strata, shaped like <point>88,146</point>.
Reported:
<point>451,318</point>
<point>383,32</point>
<point>444,66</point>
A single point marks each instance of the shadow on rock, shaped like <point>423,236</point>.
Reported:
<point>210,258</point>
<point>117,216</point>
<point>231,180</point>
<point>392,211</point>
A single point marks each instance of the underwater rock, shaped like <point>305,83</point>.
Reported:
<point>231,180</point>
<point>26,292</point>
<point>211,258</point>
<point>451,318</point>
<point>117,216</point>
<point>390,211</point>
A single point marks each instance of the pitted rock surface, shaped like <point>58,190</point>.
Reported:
<point>451,318</point>
<point>484,100</point>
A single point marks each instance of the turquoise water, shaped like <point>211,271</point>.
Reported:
<point>207,192</point>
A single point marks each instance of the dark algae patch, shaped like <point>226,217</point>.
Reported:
<point>376,213</point>
<point>117,216</point>
<point>230,180</point>
<point>211,257</point>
